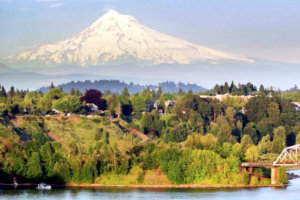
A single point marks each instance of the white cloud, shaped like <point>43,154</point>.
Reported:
<point>55,5</point>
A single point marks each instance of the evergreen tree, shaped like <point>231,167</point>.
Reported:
<point>232,85</point>
<point>119,109</point>
<point>62,172</point>
<point>274,113</point>
<point>107,138</point>
<point>161,103</point>
<point>73,92</point>
<point>107,93</point>
<point>87,173</point>
<point>190,92</point>
<point>217,89</point>
<point>180,91</point>
<point>78,93</point>
<point>234,89</point>
<point>3,92</point>
<point>125,92</point>
<point>34,169</point>
<point>158,93</point>
<point>226,88</point>
<point>11,92</point>
<point>246,142</point>
<point>262,89</point>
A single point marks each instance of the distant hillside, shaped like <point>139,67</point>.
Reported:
<point>5,69</point>
<point>117,86</point>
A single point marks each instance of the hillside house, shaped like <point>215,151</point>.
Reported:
<point>26,111</point>
<point>170,103</point>
<point>151,105</point>
<point>297,105</point>
<point>222,97</point>
<point>56,112</point>
<point>92,107</point>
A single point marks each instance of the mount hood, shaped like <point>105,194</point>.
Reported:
<point>118,39</point>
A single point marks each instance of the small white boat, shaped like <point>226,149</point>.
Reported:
<point>43,186</point>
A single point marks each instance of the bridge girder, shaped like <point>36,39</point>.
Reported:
<point>289,156</point>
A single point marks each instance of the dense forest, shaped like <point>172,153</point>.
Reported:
<point>196,140</point>
<point>116,86</point>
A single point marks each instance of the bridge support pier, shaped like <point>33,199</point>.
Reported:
<point>274,175</point>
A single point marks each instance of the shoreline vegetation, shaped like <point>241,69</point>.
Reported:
<point>291,176</point>
<point>171,186</point>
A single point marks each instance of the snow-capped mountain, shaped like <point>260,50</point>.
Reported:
<point>116,38</point>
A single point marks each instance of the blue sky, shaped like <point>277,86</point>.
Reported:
<point>268,29</point>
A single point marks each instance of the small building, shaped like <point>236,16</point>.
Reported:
<point>297,105</point>
<point>151,105</point>
<point>92,107</point>
<point>56,112</point>
<point>26,111</point>
<point>208,97</point>
<point>170,103</point>
<point>222,97</point>
<point>243,111</point>
<point>160,111</point>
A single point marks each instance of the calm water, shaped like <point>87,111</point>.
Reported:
<point>292,192</point>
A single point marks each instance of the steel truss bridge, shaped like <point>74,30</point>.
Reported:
<point>288,157</point>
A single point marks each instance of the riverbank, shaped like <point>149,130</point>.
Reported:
<point>182,186</point>
<point>292,176</point>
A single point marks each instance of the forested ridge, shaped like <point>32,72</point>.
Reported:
<point>196,140</point>
<point>116,86</point>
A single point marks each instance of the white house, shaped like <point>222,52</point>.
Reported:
<point>92,107</point>
<point>297,105</point>
<point>170,103</point>
<point>151,105</point>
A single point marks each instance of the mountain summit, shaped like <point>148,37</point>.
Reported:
<point>117,39</point>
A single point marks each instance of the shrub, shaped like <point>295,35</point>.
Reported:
<point>41,138</point>
<point>237,179</point>
<point>254,180</point>
<point>87,174</point>
<point>175,173</point>
<point>245,178</point>
<point>98,134</point>
<point>282,176</point>
<point>140,178</point>
<point>149,162</point>
<point>265,181</point>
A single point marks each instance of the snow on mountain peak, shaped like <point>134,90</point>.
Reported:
<point>116,38</point>
<point>111,12</point>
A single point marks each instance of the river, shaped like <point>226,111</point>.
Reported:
<point>291,192</point>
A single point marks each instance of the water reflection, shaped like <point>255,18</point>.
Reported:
<point>292,192</point>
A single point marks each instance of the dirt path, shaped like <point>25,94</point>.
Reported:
<point>134,131</point>
<point>17,123</point>
<point>74,119</point>
<point>54,137</point>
